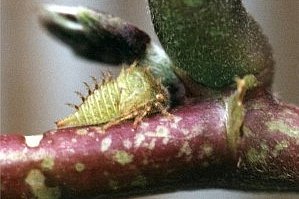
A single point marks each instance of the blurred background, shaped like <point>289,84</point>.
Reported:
<point>39,75</point>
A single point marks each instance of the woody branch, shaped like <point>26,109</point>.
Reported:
<point>161,155</point>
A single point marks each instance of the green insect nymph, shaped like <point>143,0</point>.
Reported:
<point>132,95</point>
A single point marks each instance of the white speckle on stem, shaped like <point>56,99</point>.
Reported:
<point>152,144</point>
<point>74,140</point>
<point>175,122</point>
<point>185,150</point>
<point>33,140</point>
<point>106,143</point>
<point>81,132</point>
<point>127,144</point>
<point>139,138</point>
<point>144,125</point>
<point>165,140</point>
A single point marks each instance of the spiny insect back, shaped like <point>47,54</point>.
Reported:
<point>134,94</point>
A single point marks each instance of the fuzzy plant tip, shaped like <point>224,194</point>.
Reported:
<point>95,35</point>
<point>134,94</point>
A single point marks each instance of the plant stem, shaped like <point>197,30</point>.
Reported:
<point>189,151</point>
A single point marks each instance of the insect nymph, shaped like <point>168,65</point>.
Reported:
<point>133,94</point>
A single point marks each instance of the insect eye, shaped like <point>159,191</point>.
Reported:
<point>159,97</point>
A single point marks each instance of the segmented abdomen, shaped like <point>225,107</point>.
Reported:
<point>114,99</point>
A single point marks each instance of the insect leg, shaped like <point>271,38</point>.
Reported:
<point>163,110</point>
<point>118,120</point>
<point>141,115</point>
